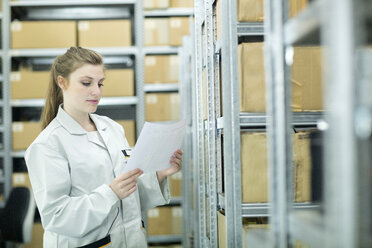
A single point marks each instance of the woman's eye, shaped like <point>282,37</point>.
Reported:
<point>86,83</point>
<point>100,85</point>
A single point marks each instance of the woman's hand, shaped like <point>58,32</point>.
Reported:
<point>126,183</point>
<point>176,162</point>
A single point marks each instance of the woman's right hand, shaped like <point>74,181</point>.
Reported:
<point>126,183</point>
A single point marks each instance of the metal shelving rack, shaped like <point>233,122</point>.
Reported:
<point>344,30</point>
<point>172,87</point>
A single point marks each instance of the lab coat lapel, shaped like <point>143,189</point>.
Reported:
<point>114,151</point>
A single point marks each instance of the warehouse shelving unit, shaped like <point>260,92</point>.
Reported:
<point>170,87</point>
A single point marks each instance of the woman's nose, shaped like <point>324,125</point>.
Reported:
<point>96,90</point>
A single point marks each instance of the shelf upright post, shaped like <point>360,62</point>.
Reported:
<point>279,118</point>
<point>211,124</point>
<point>7,110</point>
<point>231,123</point>
<point>349,104</point>
<point>198,132</point>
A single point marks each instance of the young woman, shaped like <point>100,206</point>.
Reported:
<point>76,164</point>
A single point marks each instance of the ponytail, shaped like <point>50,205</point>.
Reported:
<point>64,65</point>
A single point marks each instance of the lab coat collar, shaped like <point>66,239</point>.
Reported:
<point>73,126</point>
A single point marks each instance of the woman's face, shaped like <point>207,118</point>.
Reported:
<point>82,92</point>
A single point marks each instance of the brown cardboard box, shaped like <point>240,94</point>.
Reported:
<point>155,4</point>
<point>307,72</point>
<point>21,179</point>
<point>252,80</point>
<point>105,33</point>
<point>178,27</point>
<point>162,107</point>
<point>156,31</point>
<point>24,133</point>
<point>254,167</point>
<point>181,3</point>
<point>250,11</point>
<point>29,84</point>
<point>43,34</point>
<point>119,82</point>
<point>296,6</point>
<point>175,184</point>
<point>302,167</point>
<point>221,219</point>
<point>218,18</point>
<point>161,69</point>
<point>159,221</point>
<point>130,130</point>
<point>176,220</point>
<point>37,237</point>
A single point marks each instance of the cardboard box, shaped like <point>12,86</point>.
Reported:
<point>36,238</point>
<point>43,34</point>
<point>161,69</point>
<point>156,32</point>
<point>162,107</point>
<point>178,27</point>
<point>155,4</point>
<point>175,184</point>
<point>130,130</point>
<point>181,3</point>
<point>29,84</point>
<point>255,167</point>
<point>252,80</point>
<point>119,82</point>
<point>24,133</point>
<point>21,179</point>
<point>218,18</point>
<point>296,6</point>
<point>307,72</point>
<point>164,220</point>
<point>221,219</point>
<point>302,167</point>
<point>250,10</point>
<point>105,33</point>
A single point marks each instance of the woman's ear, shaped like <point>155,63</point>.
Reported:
<point>62,82</point>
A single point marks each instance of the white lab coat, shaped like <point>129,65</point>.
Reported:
<point>70,177</point>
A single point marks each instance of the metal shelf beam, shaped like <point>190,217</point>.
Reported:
<point>161,87</point>
<point>169,12</point>
<point>69,3</point>
<point>250,28</point>
<point>164,239</point>
<point>160,50</point>
<point>53,52</point>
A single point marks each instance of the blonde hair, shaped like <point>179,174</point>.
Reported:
<point>64,65</point>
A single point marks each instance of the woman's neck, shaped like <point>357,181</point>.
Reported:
<point>82,118</point>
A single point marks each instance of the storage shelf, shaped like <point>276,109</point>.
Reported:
<point>161,50</point>
<point>305,27</point>
<point>255,210</point>
<point>161,87</point>
<point>2,204</point>
<point>2,179</point>
<point>69,2</point>
<point>164,239</point>
<point>218,46</point>
<point>176,201</point>
<point>18,154</point>
<point>1,78</point>
<point>131,100</point>
<point>1,153</point>
<point>169,12</point>
<point>308,226</point>
<point>250,29</point>
<point>1,103</point>
<point>1,15</point>
<point>53,52</point>
<point>1,128</point>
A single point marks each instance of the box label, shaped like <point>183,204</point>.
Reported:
<point>150,61</point>
<point>175,23</point>
<point>150,24</point>
<point>153,213</point>
<point>176,212</point>
<point>19,179</point>
<point>16,26</point>
<point>152,99</point>
<point>15,76</point>
<point>83,26</point>
<point>17,127</point>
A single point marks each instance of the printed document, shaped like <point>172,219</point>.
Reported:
<point>155,146</point>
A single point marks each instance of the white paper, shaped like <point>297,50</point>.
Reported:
<point>155,146</point>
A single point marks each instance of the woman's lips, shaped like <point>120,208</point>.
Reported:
<point>93,101</point>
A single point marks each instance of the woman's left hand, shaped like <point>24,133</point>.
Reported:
<point>176,162</point>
